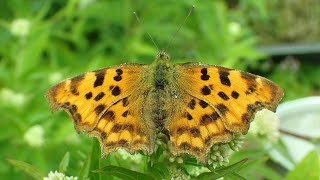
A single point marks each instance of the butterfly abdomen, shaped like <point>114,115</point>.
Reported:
<point>156,101</point>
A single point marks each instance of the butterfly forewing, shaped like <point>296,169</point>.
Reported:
<point>100,102</point>
<point>235,95</point>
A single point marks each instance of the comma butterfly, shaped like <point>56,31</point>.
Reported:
<point>196,104</point>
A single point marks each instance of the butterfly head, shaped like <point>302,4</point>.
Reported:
<point>163,56</point>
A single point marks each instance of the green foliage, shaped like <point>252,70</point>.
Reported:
<point>223,172</point>
<point>27,168</point>
<point>308,168</point>
<point>43,42</point>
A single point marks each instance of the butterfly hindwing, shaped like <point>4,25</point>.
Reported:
<point>122,127</point>
<point>235,95</point>
<point>195,128</point>
<point>100,102</point>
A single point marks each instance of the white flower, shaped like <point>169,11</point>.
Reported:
<point>12,98</point>
<point>58,176</point>
<point>234,28</point>
<point>135,158</point>
<point>266,125</point>
<point>55,77</point>
<point>34,136</point>
<point>236,142</point>
<point>220,152</point>
<point>219,155</point>
<point>20,27</point>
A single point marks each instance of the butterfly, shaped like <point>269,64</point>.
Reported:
<point>195,104</point>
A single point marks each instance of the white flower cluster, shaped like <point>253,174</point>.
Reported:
<point>236,142</point>
<point>219,155</point>
<point>13,98</point>
<point>135,158</point>
<point>34,136</point>
<point>234,28</point>
<point>59,176</point>
<point>220,152</point>
<point>20,27</point>
<point>265,125</point>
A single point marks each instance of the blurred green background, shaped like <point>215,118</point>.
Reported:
<point>45,41</point>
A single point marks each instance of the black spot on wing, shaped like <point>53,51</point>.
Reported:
<point>235,94</point>
<point>103,135</point>
<point>192,104</point>
<point>223,96</point>
<point>116,91</point>
<point>116,128</point>
<point>118,77</point>
<point>74,91</point>
<point>205,90</point>
<point>128,127</point>
<point>181,130</point>
<point>75,83</point>
<point>195,132</point>
<point>73,109</point>
<point>88,95</point>
<point>188,116</point>
<point>125,114</point>
<point>250,81</point>
<point>109,115</point>
<point>99,78</point>
<point>77,117</point>
<point>224,79</point>
<point>203,104</point>
<point>123,142</point>
<point>222,108</point>
<point>99,109</point>
<point>125,102</point>
<point>99,96</point>
<point>204,75</point>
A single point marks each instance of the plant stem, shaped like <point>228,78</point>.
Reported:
<point>300,136</point>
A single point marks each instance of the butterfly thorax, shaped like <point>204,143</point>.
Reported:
<point>159,75</point>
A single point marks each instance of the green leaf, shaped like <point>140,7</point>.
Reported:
<point>259,165</point>
<point>92,162</point>
<point>95,159</point>
<point>234,175</point>
<point>254,162</point>
<point>308,168</point>
<point>222,171</point>
<point>123,173</point>
<point>84,173</point>
<point>27,168</point>
<point>64,163</point>
<point>159,171</point>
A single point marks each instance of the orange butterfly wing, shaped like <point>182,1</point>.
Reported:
<point>235,95</point>
<point>195,128</point>
<point>102,103</point>
<point>215,102</point>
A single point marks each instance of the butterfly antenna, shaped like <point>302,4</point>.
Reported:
<point>185,20</point>
<point>138,19</point>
